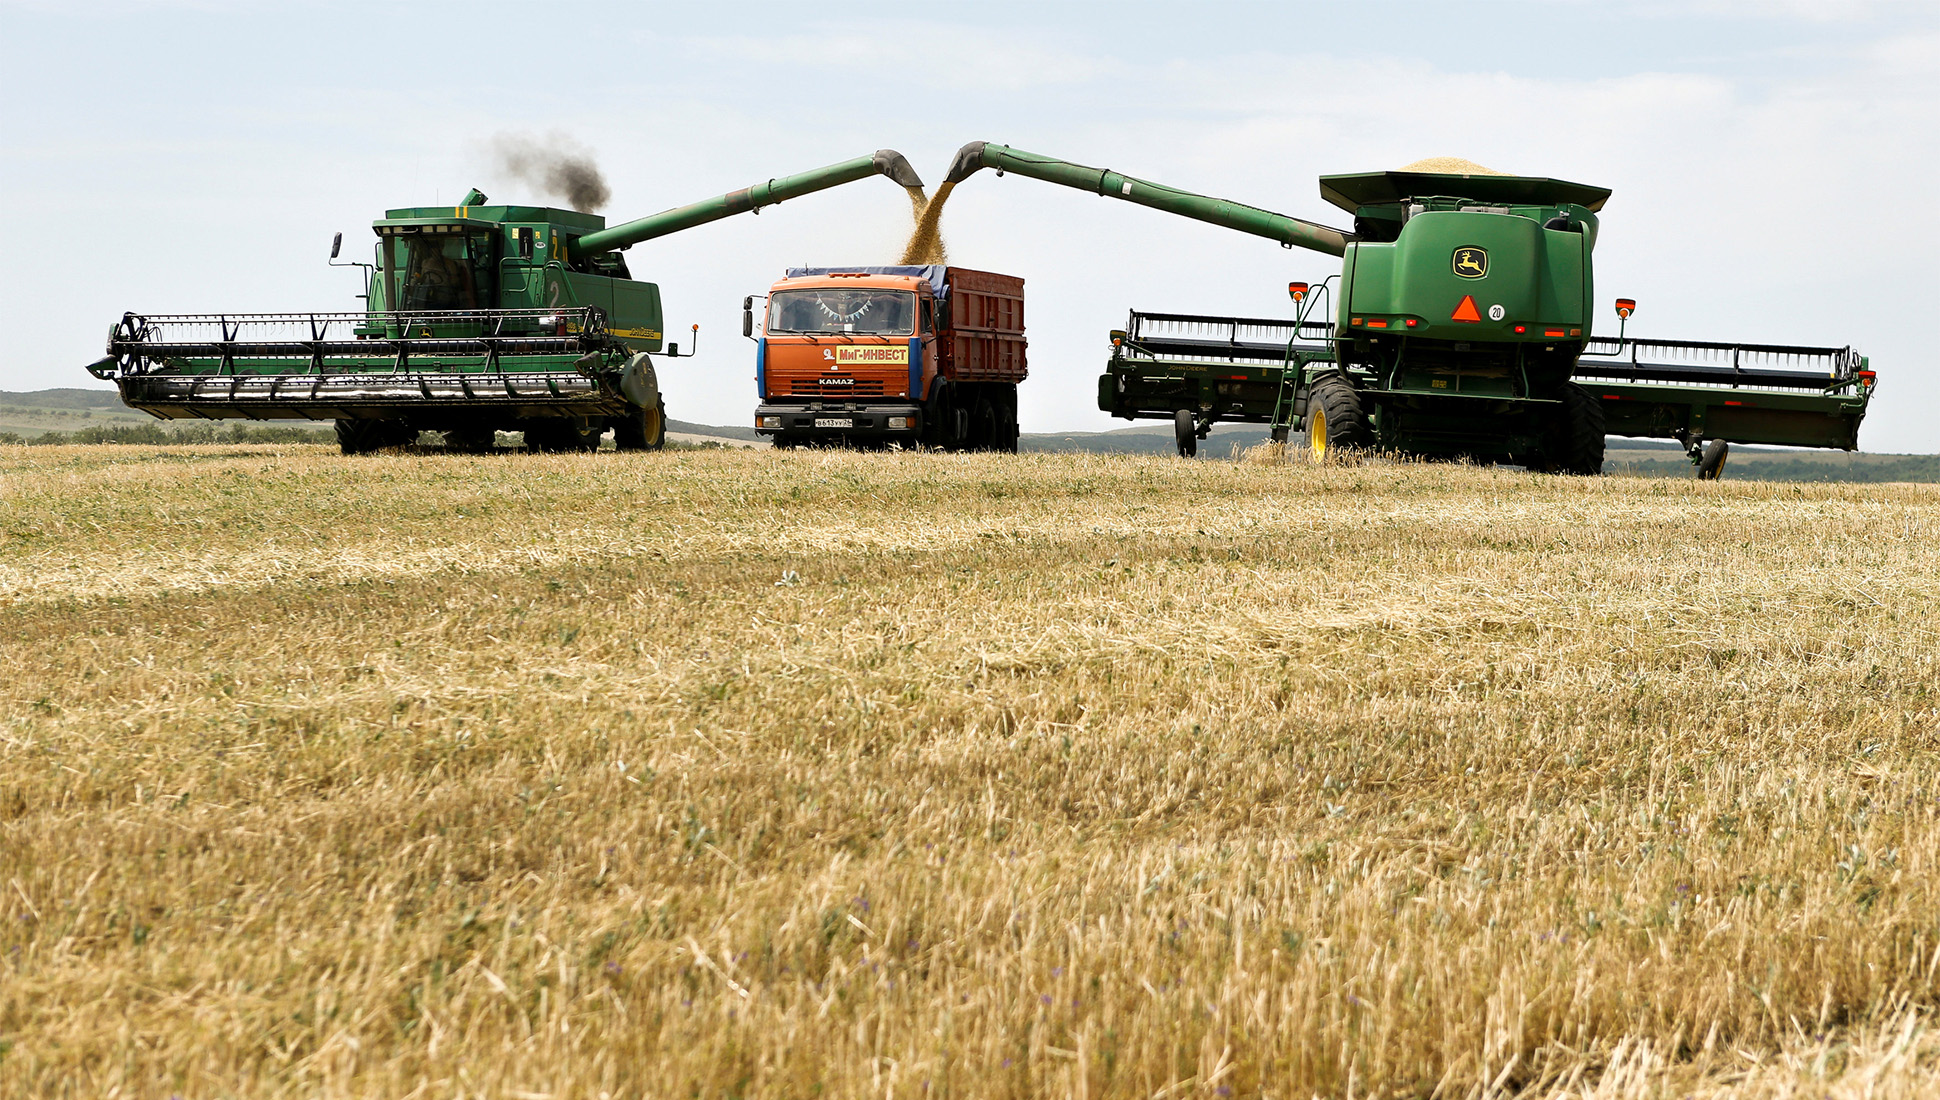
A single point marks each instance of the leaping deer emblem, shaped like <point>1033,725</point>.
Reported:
<point>1471,263</point>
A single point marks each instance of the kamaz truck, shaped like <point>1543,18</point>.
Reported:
<point>478,318</point>
<point>877,356</point>
<point>1461,327</point>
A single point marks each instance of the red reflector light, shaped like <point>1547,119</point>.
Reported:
<point>1734,402</point>
<point>1377,324</point>
<point>1412,322</point>
<point>1522,329</point>
<point>1552,332</point>
<point>1466,311</point>
<point>1867,377</point>
<point>1611,397</point>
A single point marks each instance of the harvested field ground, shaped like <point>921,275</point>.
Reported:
<point>796,774</point>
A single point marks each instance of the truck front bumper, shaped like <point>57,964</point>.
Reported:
<point>830,420</point>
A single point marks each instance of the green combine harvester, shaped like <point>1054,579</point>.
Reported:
<point>1461,328</point>
<point>478,319</point>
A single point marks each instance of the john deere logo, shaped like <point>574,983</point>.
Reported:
<point>1471,263</point>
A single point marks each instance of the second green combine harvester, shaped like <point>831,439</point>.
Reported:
<point>479,318</point>
<point>1461,328</point>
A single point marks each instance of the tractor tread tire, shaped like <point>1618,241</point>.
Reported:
<point>1339,405</point>
<point>1581,437</point>
<point>642,429</point>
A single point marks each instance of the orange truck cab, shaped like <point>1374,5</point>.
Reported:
<point>877,356</point>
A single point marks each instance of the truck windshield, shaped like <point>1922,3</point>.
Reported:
<point>857,311</point>
<point>444,271</point>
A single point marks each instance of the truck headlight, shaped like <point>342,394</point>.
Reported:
<point>767,421</point>
<point>899,422</point>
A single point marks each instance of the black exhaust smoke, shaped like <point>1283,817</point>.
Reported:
<point>556,164</point>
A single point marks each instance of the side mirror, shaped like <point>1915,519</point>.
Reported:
<point>747,316</point>
<point>525,243</point>
<point>336,245</point>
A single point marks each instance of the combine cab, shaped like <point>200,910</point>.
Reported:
<point>480,318</point>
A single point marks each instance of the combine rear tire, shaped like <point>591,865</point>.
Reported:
<point>357,437</point>
<point>1184,433</point>
<point>1711,462</point>
<point>1579,439</point>
<point>642,429</point>
<point>1335,425</point>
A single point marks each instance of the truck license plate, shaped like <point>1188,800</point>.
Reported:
<point>835,422</point>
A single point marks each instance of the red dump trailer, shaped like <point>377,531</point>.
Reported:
<point>876,356</point>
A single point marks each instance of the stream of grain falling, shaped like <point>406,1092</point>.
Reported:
<point>926,240</point>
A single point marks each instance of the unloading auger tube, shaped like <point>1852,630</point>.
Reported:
<point>1289,231</point>
<point>884,162</point>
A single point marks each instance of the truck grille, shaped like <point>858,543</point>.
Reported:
<point>835,386</point>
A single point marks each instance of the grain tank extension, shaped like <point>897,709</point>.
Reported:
<point>478,318</point>
<point>1462,326</point>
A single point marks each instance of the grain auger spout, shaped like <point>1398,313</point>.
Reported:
<point>883,162</point>
<point>1289,231</point>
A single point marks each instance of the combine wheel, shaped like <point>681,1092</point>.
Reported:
<point>1336,427</point>
<point>357,437</point>
<point>1711,462</point>
<point>472,439</point>
<point>642,429</point>
<point>561,435</point>
<point>1580,433</point>
<point>1184,433</point>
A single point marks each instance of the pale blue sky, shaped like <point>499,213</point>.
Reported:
<point>1770,160</point>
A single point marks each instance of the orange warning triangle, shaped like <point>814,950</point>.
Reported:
<point>1466,311</point>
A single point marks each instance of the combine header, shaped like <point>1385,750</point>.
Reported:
<point>1461,327</point>
<point>479,318</point>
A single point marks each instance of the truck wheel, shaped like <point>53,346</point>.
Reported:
<point>984,422</point>
<point>1579,447</point>
<point>1184,434</point>
<point>560,435</point>
<point>641,429</point>
<point>1336,427</point>
<point>1711,463</point>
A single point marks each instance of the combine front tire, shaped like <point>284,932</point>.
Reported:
<point>1335,424</point>
<point>642,429</point>
<point>1580,433</point>
<point>1711,462</point>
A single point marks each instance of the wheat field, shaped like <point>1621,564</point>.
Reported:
<point>714,774</point>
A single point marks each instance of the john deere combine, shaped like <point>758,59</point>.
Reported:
<point>478,318</point>
<point>1461,327</point>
